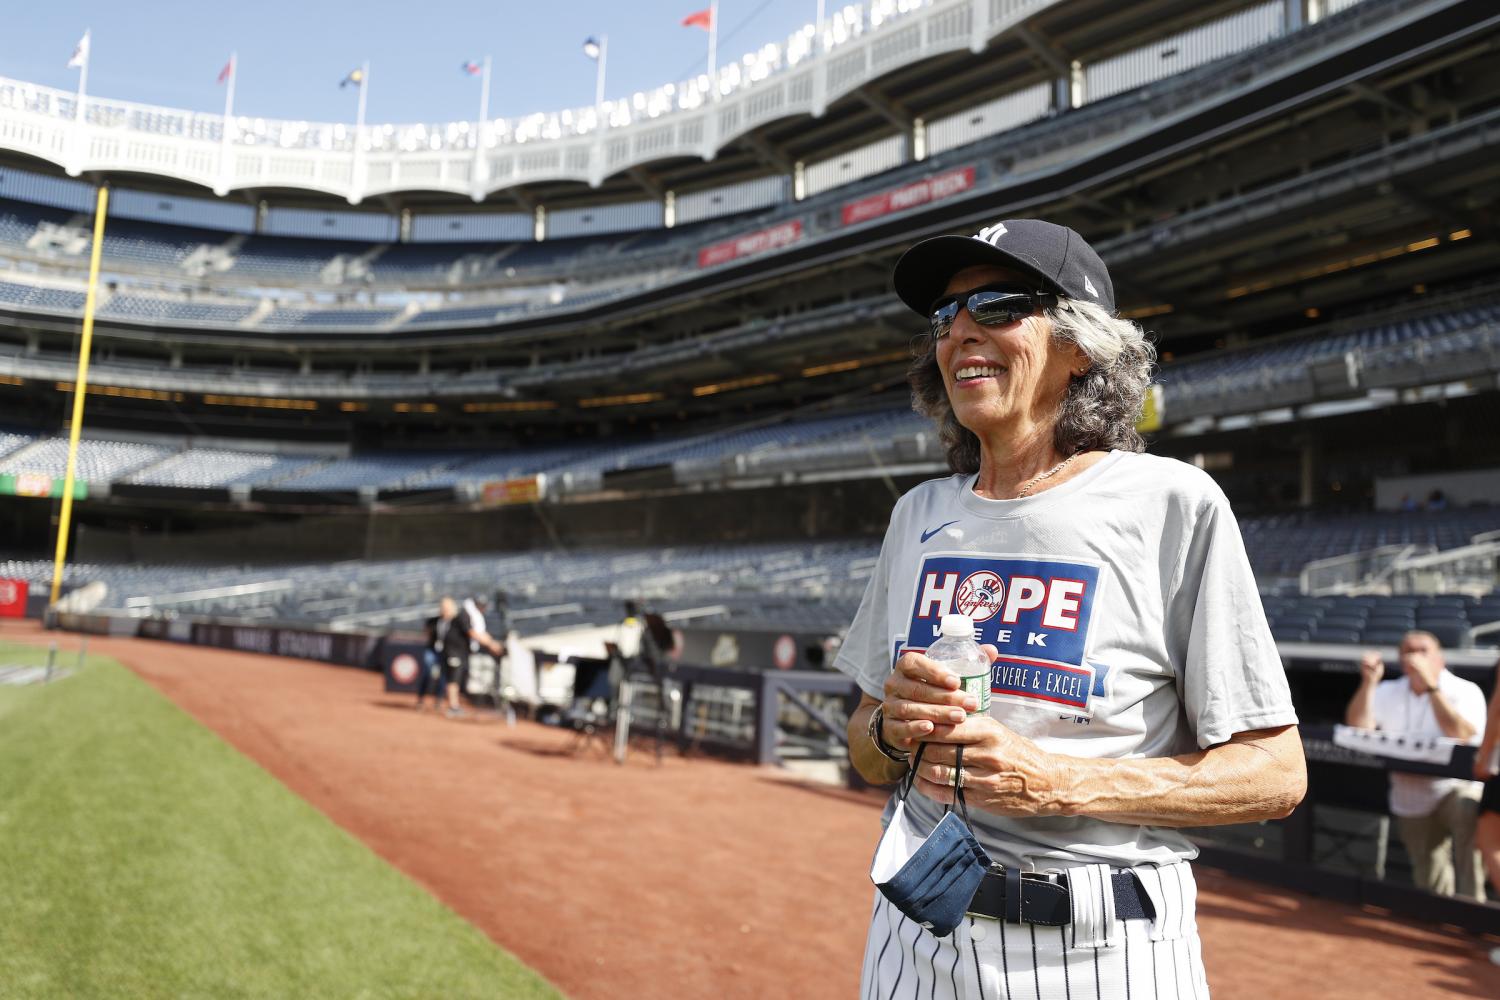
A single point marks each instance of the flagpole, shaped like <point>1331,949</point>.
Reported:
<point>364,83</point>
<point>821,45</point>
<point>80,389</point>
<point>75,166</point>
<point>234,72</point>
<point>481,171</point>
<point>83,74</point>
<point>599,79</point>
<point>357,185</point>
<point>713,47</point>
<point>484,95</point>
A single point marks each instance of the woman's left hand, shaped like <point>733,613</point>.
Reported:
<point>1004,773</point>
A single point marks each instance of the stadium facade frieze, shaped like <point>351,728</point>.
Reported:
<point>105,136</point>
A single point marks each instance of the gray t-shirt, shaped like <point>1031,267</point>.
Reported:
<point>1127,620</point>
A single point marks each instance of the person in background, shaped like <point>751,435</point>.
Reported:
<point>432,653</point>
<point>628,632</point>
<point>1430,811</point>
<point>479,633</point>
<point>454,655</point>
<point>1487,829</point>
<point>479,637</point>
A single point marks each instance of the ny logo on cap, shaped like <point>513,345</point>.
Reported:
<point>992,234</point>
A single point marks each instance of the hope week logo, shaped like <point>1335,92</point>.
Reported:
<point>1036,612</point>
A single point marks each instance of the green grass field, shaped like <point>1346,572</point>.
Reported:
<point>141,856</point>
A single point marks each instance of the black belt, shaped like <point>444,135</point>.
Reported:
<point>1019,897</point>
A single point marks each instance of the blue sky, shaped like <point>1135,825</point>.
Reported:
<point>293,54</point>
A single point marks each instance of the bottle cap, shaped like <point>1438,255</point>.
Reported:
<point>958,626</point>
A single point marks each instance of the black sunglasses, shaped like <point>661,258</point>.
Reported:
<point>993,305</point>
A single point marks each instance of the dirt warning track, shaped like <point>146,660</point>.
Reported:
<point>695,878</point>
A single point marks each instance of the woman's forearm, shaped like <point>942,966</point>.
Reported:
<point>866,758</point>
<point>1255,776</point>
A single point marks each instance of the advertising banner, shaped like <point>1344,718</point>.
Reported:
<point>39,484</point>
<point>13,598</point>
<point>348,649</point>
<point>928,189</point>
<point>751,244</point>
<point>504,492</point>
<point>402,665</point>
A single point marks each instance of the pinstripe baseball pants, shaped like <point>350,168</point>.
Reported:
<point>1095,957</point>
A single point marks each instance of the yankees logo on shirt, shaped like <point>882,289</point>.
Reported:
<point>1036,612</point>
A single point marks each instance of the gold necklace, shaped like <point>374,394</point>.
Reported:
<point>1047,475</point>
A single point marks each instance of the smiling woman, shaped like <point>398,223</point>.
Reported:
<point>1134,687</point>
<point>1100,404</point>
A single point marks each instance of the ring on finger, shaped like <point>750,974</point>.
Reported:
<point>958,777</point>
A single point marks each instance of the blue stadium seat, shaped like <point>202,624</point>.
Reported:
<point>1325,632</point>
<point>1450,635</point>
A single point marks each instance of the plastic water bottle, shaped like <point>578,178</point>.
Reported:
<point>958,651</point>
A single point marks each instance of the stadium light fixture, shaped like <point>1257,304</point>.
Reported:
<point>749,381</point>
<point>629,399</point>
<point>845,366</point>
<point>1145,312</point>
<point>516,406</point>
<point>1334,267</point>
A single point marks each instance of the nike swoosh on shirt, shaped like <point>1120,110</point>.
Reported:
<point>928,534</point>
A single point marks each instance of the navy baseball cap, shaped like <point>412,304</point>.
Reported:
<point>1056,255</point>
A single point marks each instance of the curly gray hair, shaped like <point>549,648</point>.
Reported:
<point>1100,407</point>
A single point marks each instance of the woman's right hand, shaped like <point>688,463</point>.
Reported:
<point>921,694</point>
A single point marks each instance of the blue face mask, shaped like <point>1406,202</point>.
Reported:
<point>931,879</point>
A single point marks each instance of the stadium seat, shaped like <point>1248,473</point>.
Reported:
<point>1346,636</point>
<point>1450,635</point>
<point>1383,636</point>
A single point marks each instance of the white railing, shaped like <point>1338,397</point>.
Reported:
<point>1469,569</point>
<point>1354,573</point>
<point>1408,569</point>
<point>859,43</point>
<point>253,593</point>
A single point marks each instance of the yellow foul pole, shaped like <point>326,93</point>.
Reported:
<point>80,389</point>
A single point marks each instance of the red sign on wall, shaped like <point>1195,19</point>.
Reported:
<point>759,242</point>
<point>13,598</point>
<point>497,492</point>
<point>936,188</point>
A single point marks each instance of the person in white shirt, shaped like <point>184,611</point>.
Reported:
<point>1430,811</point>
<point>472,626</point>
<point>479,635</point>
<point>628,632</point>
